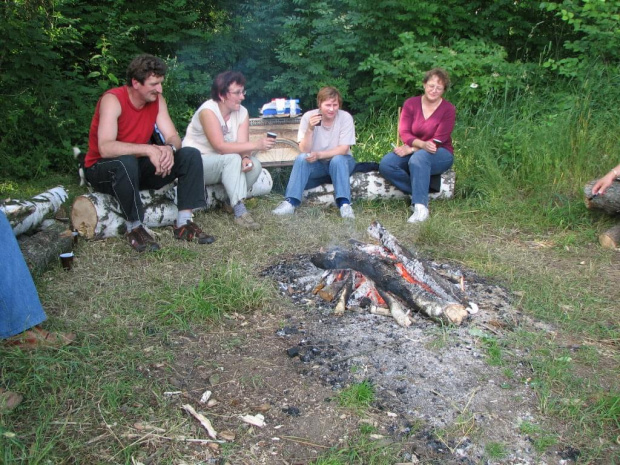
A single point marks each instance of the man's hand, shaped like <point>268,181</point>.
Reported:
<point>166,160</point>
<point>162,159</point>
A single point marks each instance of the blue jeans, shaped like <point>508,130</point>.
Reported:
<point>336,170</point>
<point>412,174</point>
<point>20,308</point>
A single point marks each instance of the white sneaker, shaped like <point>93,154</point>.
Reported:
<point>347,212</point>
<point>285,208</point>
<point>420,214</point>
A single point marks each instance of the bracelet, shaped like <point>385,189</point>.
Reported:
<point>174,149</point>
<point>613,170</point>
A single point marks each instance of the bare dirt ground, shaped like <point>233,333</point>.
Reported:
<point>438,400</point>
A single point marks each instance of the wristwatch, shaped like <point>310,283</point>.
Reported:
<point>174,149</point>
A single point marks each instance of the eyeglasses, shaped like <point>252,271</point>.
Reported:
<point>437,88</point>
<point>238,92</point>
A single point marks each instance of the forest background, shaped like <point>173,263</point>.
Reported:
<point>536,84</point>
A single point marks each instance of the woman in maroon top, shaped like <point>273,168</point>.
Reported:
<point>425,127</point>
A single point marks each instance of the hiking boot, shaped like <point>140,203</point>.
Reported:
<point>246,221</point>
<point>285,208</point>
<point>347,212</point>
<point>189,231</point>
<point>141,240</point>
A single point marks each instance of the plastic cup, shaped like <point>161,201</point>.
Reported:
<point>66,259</point>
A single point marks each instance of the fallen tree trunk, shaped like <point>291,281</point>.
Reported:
<point>608,202</point>
<point>96,215</point>
<point>372,185</point>
<point>27,215</point>
<point>610,239</point>
<point>384,272</point>
<point>99,216</point>
<point>44,247</point>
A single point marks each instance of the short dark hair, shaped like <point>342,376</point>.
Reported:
<point>441,74</point>
<point>328,93</point>
<point>143,67</point>
<point>222,81</point>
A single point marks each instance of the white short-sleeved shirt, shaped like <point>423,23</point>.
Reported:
<point>342,132</point>
<point>196,137</point>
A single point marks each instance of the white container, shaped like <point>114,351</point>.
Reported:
<point>280,105</point>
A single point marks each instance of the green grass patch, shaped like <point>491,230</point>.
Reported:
<point>227,288</point>
<point>358,396</point>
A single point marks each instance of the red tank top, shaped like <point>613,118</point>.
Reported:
<point>134,125</point>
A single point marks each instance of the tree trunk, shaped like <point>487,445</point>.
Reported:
<point>27,215</point>
<point>609,201</point>
<point>98,216</point>
<point>385,275</point>
<point>43,248</point>
<point>610,239</point>
<point>372,185</point>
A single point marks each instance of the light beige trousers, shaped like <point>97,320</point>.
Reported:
<point>226,169</point>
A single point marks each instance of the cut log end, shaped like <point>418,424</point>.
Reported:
<point>610,239</point>
<point>455,313</point>
<point>84,217</point>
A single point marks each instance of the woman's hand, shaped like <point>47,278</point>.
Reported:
<point>403,150</point>
<point>430,146</point>
<point>312,157</point>
<point>265,143</point>
<point>246,164</point>
<point>603,184</point>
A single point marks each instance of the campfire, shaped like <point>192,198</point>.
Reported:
<point>389,280</point>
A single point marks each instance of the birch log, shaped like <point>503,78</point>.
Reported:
<point>608,202</point>
<point>27,215</point>
<point>99,216</point>
<point>372,185</point>
<point>383,272</point>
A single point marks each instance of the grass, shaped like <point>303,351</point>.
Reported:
<point>358,396</point>
<point>518,220</point>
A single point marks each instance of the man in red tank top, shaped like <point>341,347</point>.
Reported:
<point>121,160</point>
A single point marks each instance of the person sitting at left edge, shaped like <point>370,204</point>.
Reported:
<point>121,161</point>
<point>21,312</point>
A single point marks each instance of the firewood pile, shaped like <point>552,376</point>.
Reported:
<point>389,280</point>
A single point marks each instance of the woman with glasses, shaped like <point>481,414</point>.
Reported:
<point>425,128</point>
<point>220,129</point>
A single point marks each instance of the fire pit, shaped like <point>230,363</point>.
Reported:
<point>431,372</point>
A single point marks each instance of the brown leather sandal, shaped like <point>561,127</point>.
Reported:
<point>9,400</point>
<point>37,337</point>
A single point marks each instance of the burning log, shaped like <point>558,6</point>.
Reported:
<point>384,272</point>
<point>388,276</point>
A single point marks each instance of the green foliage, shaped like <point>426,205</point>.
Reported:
<point>477,70</point>
<point>596,38</point>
